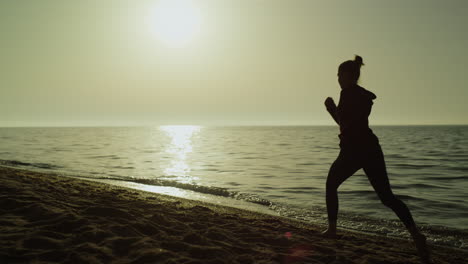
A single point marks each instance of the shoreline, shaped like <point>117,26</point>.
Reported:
<point>47,218</point>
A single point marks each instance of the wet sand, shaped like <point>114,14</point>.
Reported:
<point>51,219</point>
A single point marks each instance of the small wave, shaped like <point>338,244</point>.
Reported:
<point>423,186</point>
<point>461,156</point>
<point>123,167</point>
<point>218,191</point>
<point>306,164</point>
<point>104,157</point>
<point>38,165</point>
<point>303,188</point>
<point>186,186</point>
<point>77,145</point>
<point>444,178</point>
<point>251,198</point>
<point>395,156</point>
<point>58,149</point>
<point>102,176</point>
<point>251,158</point>
<point>166,183</point>
<point>413,166</point>
<point>458,168</point>
<point>266,176</point>
<point>296,191</point>
<point>409,197</point>
<point>209,170</point>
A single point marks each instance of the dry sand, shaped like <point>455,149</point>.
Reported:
<point>47,219</point>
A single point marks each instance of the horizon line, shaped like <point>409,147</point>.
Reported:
<point>220,125</point>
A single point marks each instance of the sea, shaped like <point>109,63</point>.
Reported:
<point>280,170</point>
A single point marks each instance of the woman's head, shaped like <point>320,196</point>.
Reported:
<point>349,72</point>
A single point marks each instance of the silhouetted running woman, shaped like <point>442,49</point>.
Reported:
<point>360,148</point>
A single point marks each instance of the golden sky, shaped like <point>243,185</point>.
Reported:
<point>220,62</point>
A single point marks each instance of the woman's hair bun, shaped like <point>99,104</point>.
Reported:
<point>358,60</point>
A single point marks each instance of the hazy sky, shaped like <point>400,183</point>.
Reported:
<point>248,62</point>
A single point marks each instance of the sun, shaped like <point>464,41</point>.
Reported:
<point>176,22</point>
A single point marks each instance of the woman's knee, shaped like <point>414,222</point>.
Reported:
<point>331,186</point>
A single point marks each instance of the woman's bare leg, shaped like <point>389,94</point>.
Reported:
<point>343,168</point>
<point>376,172</point>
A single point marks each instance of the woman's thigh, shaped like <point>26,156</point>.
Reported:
<point>342,168</point>
<point>376,171</point>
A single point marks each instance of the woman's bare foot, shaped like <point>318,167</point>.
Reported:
<point>423,249</point>
<point>331,233</point>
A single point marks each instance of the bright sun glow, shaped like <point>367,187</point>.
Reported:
<point>177,22</point>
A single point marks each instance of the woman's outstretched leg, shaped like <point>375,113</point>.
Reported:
<point>341,169</point>
<point>376,172</point>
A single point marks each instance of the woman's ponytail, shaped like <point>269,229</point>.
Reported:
<point>358,60</point>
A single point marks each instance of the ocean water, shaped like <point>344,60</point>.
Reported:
<point>280,169</point>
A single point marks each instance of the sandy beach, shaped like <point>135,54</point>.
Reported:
<point>51,219</point>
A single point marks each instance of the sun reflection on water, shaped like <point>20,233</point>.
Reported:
<point>178,149</point>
